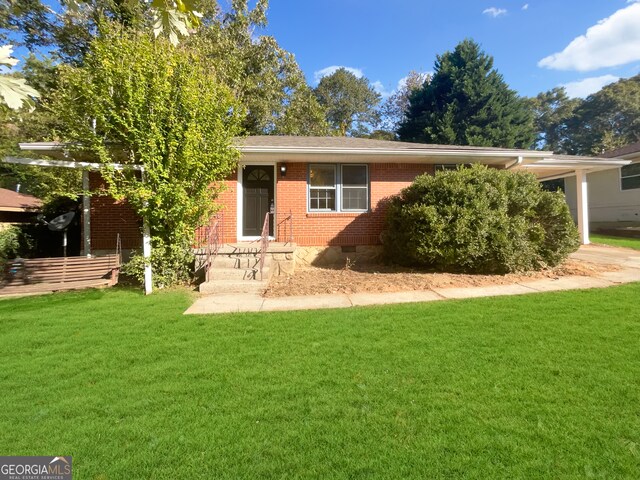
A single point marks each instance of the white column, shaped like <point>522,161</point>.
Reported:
<point>583,206</point>
<point>86,215</point>
<point>146,253</point>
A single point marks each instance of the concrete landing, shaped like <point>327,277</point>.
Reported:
<point>627,260</point>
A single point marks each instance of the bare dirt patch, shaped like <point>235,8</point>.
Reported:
<point>383,278</point>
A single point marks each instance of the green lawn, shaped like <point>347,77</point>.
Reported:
<point>616,241</point>
<point>538,386</point>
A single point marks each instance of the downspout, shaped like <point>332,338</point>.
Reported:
<point>515,163</point>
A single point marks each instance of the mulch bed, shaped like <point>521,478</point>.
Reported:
<point>384,278</point>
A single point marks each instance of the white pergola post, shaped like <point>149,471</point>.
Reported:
<point>146,250</point>
<point>146,253</point>
<point>583,206</point>
<point>86,215</point>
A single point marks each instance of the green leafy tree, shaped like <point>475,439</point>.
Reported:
<point>350,102</point>
<point>28,124</point>
<point>68,27</point>
<point>553,113</point>
<point>14,91</point>
<point>141,101</point>
<point>264,77</point>
<point>606,120</point>
<point>468,102</point>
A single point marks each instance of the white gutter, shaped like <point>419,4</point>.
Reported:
<point>515,163</point>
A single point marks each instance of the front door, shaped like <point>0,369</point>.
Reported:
<point>257,198</point>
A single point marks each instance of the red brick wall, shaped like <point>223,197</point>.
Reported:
<point>108,218</point>
<point>228,213</point>
<point>312,229</point>
<point>318,229</point>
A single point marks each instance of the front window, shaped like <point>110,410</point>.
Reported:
<point>630,176</point>
<point>338,188</point>
<point>354,187</point>
<point>322,188</point>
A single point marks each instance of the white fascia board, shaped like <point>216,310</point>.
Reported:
<point>580,164</point>
<point>393,152</point>
<point>40,146</point>
<point>71,164</point>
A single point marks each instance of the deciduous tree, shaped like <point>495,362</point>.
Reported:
<point>350,102</point>
<point>554,113</point>
<point>393,110</point>
<point>608,119</point>
<point>142,101</point>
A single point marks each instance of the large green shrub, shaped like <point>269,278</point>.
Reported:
<point>479,220</point>
<point>13,243</point>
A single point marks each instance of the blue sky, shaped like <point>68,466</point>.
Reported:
<point>536,44</point>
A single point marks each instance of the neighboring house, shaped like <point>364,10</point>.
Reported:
<point>17,207</point>
<point>333,188</point>
<point>614,195</point>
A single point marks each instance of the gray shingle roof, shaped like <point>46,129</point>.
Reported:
<point>288,141</point>
<point>619,152</point>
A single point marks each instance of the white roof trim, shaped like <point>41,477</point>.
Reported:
<point>71,164</point>
<point>426,152</point>
<point>565,162</point>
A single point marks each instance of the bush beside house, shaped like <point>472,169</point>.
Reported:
<point>479,220</point>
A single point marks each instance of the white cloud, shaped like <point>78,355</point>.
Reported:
<point>318,74</point>
<point>611,42</point>
<point>379,87</point>
<point>585,87</point>
<point>525,6</point>
<point>494,12</point>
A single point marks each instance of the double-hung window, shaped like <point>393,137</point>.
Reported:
<point>322,188</point>
<point>338,188</point>
<point>630,176</point>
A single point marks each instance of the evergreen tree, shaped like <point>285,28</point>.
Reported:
<point>468,102</point>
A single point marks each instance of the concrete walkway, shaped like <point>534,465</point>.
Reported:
<point>627,260</point>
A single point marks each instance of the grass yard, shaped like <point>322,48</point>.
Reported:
<point>537,386</point>
<point>616,241</point>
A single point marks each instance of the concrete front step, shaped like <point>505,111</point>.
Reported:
<point>239,273</point>
<point>232,261</point>
<point>221,287</point>
<point>225,277</point>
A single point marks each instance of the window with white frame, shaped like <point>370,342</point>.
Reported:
<point>338,188</point>
<point>354,188</point>
<point>630,176</point>
<point>322,188</point>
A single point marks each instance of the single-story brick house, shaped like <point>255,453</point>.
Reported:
<point>333,188</point>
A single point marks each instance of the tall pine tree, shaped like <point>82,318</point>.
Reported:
<point>467,102</point>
